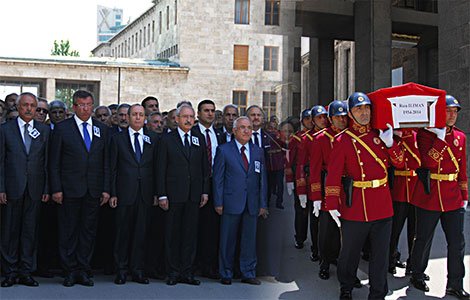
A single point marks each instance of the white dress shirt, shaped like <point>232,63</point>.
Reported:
<point>228,135</point>
<point>182,133</point>
<point>140,138</point>
<point>213,138</point>
<point>21,125</point>
<point>259,137</point>
<point>89,127</point>
<point>247,150</point>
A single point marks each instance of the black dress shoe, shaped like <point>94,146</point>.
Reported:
<point>392,270</point>
<point>420,284</point>
<point>400,264</point>
<point>28,281</point>
<point>324,274</point>
<point>120,279</point>
<point>171,281</point>
<point>84,279</point>
<point>8,281</point>
<point>459,293</point>
<point>252,281</point>
<point>140,279</point>
<point>226,281</point>
<point>345,295</point>
<point>358,284</point>
<point>69,281</point>
<point>426,277</point>
<point>299,245</point>
<point>189,280</point>
<point>314,257</point>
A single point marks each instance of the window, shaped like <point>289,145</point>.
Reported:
<point>239,98</point>
<point>272,12</point>
<point>140,39</point>
<point>145,35</point>
<point>240,57</point>
<point>271,57</point>
<point>242,11</point>
<point>298,13</point>
<point>136,42</point>
<point>148,34</point>
<point>297,59</point>
<point>118,17</point>
<point>160,21</point>
<point>65,89</point>
<point>167,17</point>
<point>296,104</point>
<point>176,12</point>
<point>153,31</point>
<point>269,103</point>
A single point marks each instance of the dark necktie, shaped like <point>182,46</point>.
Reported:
<point>255,134</point>
<point>209,150</point>
<point>27,138</point>
<point>244,158</point>
<point>86,136</point>
<point>187,146</point>
<point>138,151</point>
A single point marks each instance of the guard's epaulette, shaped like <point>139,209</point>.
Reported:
<point>319,131</point>
<point>296,137</point>
<point>341,132</point>
<point>304,133</point>
<point>309,136</point>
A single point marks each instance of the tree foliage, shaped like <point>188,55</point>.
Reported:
<point>63,49</point>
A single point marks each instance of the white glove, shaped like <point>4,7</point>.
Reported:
<point>440,132</point>
<point>387,136</point>
<point>316,207</point>
<point>465,203</point>
<point>303,200</point>
<point>290,188</point>
<point>335,215</point>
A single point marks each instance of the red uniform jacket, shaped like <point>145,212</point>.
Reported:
<point>302,161</point>
<point>294,144</point>
<point>276,154</point>
<point>406,179</point>
<point>352,159</point>
<point>319,156</point>
<point>445,195</point>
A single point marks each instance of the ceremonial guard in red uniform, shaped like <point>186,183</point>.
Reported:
<point>403,186</point>
<point>443,154</point>
<point>319,155</point>
<point>320,122</point>
<point>301,213</point>
<point>359,162</point>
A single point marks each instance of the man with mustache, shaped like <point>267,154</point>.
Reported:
<point>362,155</point>
<point>23,156</point>
<point>183,188</point>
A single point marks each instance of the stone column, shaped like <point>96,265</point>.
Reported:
<point>373,36</point>
<point>454,58</point>
<point>50,89</point>
<point>321,71</point>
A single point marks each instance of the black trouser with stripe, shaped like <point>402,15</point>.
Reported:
<point>452,224</point>
<point>328,239</point>
<point>402,211</point>
<point>353,236</point>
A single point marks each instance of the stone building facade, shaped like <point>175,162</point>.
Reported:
<point>204,37</point>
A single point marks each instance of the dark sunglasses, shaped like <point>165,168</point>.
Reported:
<point>43,110</point>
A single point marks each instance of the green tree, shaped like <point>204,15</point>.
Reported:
<point>63,49</point>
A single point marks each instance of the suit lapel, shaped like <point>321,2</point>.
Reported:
<point>179,142</point>
<point>128,142</point>
<point>75,128</point>
<point>238,155</point>
<point>18,134</point>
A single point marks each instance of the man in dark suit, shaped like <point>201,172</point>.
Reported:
<point>208,241</point>
<point>229,114</point>
<point>23,184</point>
<point>259,136</point>
<point>79,181</point>
<point>183,188</point>
<point>133,153</point>
<point>239,197</point>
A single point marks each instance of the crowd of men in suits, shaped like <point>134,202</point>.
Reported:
<point>131,190</point>
<point>166,195</point>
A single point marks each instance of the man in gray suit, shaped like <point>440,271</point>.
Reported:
<point>23,154</point>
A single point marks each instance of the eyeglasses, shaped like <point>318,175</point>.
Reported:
<point>84,105</point>
<point>41,110</point>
